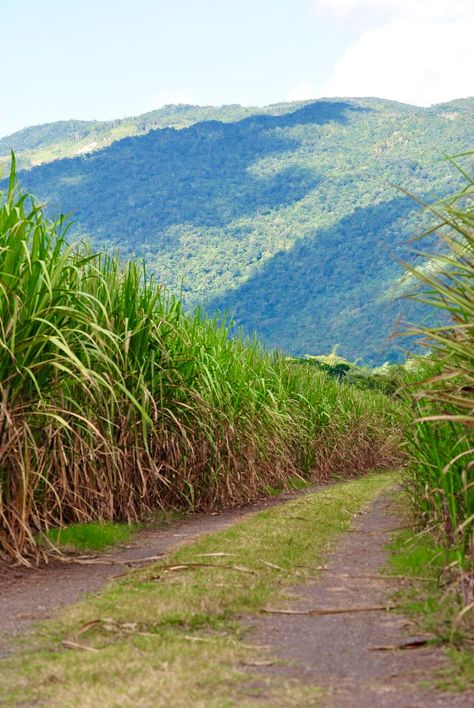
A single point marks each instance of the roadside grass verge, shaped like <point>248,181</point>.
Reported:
<point>99,536</point>
<point>89,537</point>
<point>169,634</point>
<point>434,599</point>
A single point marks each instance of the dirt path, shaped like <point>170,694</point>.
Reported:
<point>28,595</point>
<point>336,651</point>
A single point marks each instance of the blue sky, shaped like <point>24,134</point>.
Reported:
<point>106,59</point>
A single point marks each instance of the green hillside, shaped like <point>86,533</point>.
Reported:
<point>289,218</point>
<point>38,144</point>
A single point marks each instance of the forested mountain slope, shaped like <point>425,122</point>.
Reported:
<point>292,221</point>
<point>68,138</point>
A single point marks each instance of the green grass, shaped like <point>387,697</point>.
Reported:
<point>101,535</point>
<point>115,402</point>
<point>291,484</point>
<point>435,601</point>
<point>297,483</point>
<point>90,537</point>
<point>160,632</point>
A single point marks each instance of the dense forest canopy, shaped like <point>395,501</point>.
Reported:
<point>68,138</point>
<point>290,218</point>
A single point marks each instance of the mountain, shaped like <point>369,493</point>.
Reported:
<point>288,217</point>
<point>38,144</point>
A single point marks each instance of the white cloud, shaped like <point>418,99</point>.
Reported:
<point>421,9</point>
<point>416,51</point>
<point>301,93</point>
<point>174,96</point>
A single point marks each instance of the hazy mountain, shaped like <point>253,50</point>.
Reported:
<point>288,216</point>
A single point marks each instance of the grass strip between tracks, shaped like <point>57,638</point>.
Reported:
<point>169,634</point>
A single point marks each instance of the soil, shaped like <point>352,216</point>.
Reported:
<point>339,651</point>
<point>28,595</point>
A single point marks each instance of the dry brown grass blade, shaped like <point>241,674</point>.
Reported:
<point>87,626</point>
<point>330,610</point>
<point>185,566</point>
<point>108,625</point>
<point>218,554</point>
<point>459,618</point>
<point>403,646</point>
<point>75,645</point>
<point>89,560</point>
<point>298,518</point>
<point>111,625</point>
<point>147,559</point>
<point>263,662</point>
<point>274,566</point>
<point>376,576</point>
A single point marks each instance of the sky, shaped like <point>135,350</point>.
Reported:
<point>104,59</point>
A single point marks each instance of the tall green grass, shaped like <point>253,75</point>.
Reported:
<point>114,402</point>
<point>441,477</point>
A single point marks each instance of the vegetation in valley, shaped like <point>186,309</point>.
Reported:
<point>285,217</point>
<point>441,446</point>
<point>388,378</point>
<point>115,402</point>
<point>177,628</point>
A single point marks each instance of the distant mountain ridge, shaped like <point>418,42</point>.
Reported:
<point>46,142</point>
<point>287,217</point>
<point>37,144</point>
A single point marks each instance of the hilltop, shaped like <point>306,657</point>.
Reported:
<point>287,216</point>
<point>38,144</point>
